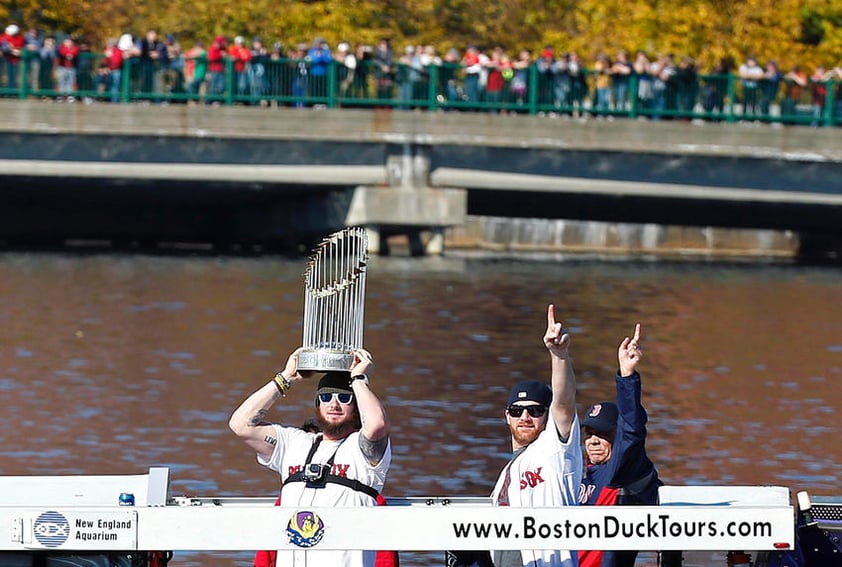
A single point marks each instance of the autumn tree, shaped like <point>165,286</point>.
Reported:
<point>806,32</point>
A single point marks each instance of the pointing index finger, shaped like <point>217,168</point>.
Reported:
<point>551,316</point>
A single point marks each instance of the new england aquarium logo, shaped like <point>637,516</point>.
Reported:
<point>305,529</point>
<point>51,529</point>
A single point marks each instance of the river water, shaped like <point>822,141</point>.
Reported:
<point>110,364</point>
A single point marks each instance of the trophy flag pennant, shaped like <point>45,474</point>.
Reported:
<point>334,301</point>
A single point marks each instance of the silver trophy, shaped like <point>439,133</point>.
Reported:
<point>334,301</point>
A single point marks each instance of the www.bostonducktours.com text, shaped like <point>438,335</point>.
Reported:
<point>653,527</point>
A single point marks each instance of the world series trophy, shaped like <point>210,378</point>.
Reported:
<point>334,301</point>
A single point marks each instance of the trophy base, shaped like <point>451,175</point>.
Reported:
<point>322,360</point>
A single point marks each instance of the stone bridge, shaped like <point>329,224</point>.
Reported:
<point>214,174</point>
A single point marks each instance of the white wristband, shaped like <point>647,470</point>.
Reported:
<point>361,377</point>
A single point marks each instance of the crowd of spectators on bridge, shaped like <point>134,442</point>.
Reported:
<point>257,72</point>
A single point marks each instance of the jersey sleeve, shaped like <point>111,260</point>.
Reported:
<point>285,436</point>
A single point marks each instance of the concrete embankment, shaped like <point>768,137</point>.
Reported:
<point>543,236</point>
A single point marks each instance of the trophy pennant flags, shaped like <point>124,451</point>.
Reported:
<point>334,301</point>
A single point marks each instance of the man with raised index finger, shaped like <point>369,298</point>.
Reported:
<point>618,470</point>
<point>546,464</point>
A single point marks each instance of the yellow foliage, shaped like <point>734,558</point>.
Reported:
<point>707,30</point>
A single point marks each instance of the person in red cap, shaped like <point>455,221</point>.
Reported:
<point>546,67</point>
<point>618,470</point>
<point>216,66</point>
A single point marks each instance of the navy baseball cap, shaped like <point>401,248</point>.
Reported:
<point>602,416</point>
<point>531,391</point>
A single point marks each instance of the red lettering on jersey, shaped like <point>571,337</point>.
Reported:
<point>294,469</point>
<point>531,478</point>
<point>340,470</point>
<point>606,497</point>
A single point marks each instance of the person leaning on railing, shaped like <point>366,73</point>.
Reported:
<point>196,68</point>
<point>216,65</point>
<point>292,79</point>
<point>11,45</point>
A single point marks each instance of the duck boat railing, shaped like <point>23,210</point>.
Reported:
<point>83,513</point>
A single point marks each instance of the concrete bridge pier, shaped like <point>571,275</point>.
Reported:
<point>407,205</point>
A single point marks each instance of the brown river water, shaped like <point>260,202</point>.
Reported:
<point>110,364</point>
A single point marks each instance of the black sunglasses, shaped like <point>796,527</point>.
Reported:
<point>344,399</point>
<point>533,411</point>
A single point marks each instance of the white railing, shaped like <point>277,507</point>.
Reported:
<point>690,518</point>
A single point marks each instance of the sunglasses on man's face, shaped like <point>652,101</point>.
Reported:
<point>327,397</point>
<point>533,411</point>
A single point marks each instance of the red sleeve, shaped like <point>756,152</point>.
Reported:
<point>267,558</point>
<point>591,558</point>
<point>385,558</point>
<point>607,496</point>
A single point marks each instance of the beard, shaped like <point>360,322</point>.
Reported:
<point>524,438</point>
<point>338,429</point>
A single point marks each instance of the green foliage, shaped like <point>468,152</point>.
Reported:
<point>805,32</point>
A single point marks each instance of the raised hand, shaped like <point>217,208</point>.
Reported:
<point>291,372</point>
<point>555,339</point>
<point>363,363</point>
<point>629,353</point>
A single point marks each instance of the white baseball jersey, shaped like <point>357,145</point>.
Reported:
<point>290,455</point>
<point>546,474</point>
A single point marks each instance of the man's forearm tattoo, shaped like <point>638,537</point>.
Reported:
<point>257,418</point>
<point>271,440</point>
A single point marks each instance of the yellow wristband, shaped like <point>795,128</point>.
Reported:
<point>281,383</point>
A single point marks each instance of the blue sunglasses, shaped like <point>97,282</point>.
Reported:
<point>327,397</point>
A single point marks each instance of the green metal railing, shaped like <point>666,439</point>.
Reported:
<point>300,83</point>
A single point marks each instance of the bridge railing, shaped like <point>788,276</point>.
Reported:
<point>445,86</point>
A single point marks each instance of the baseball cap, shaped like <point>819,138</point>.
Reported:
<point>335,382</point>
<point>531,391</point>
<point>602,416</point>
